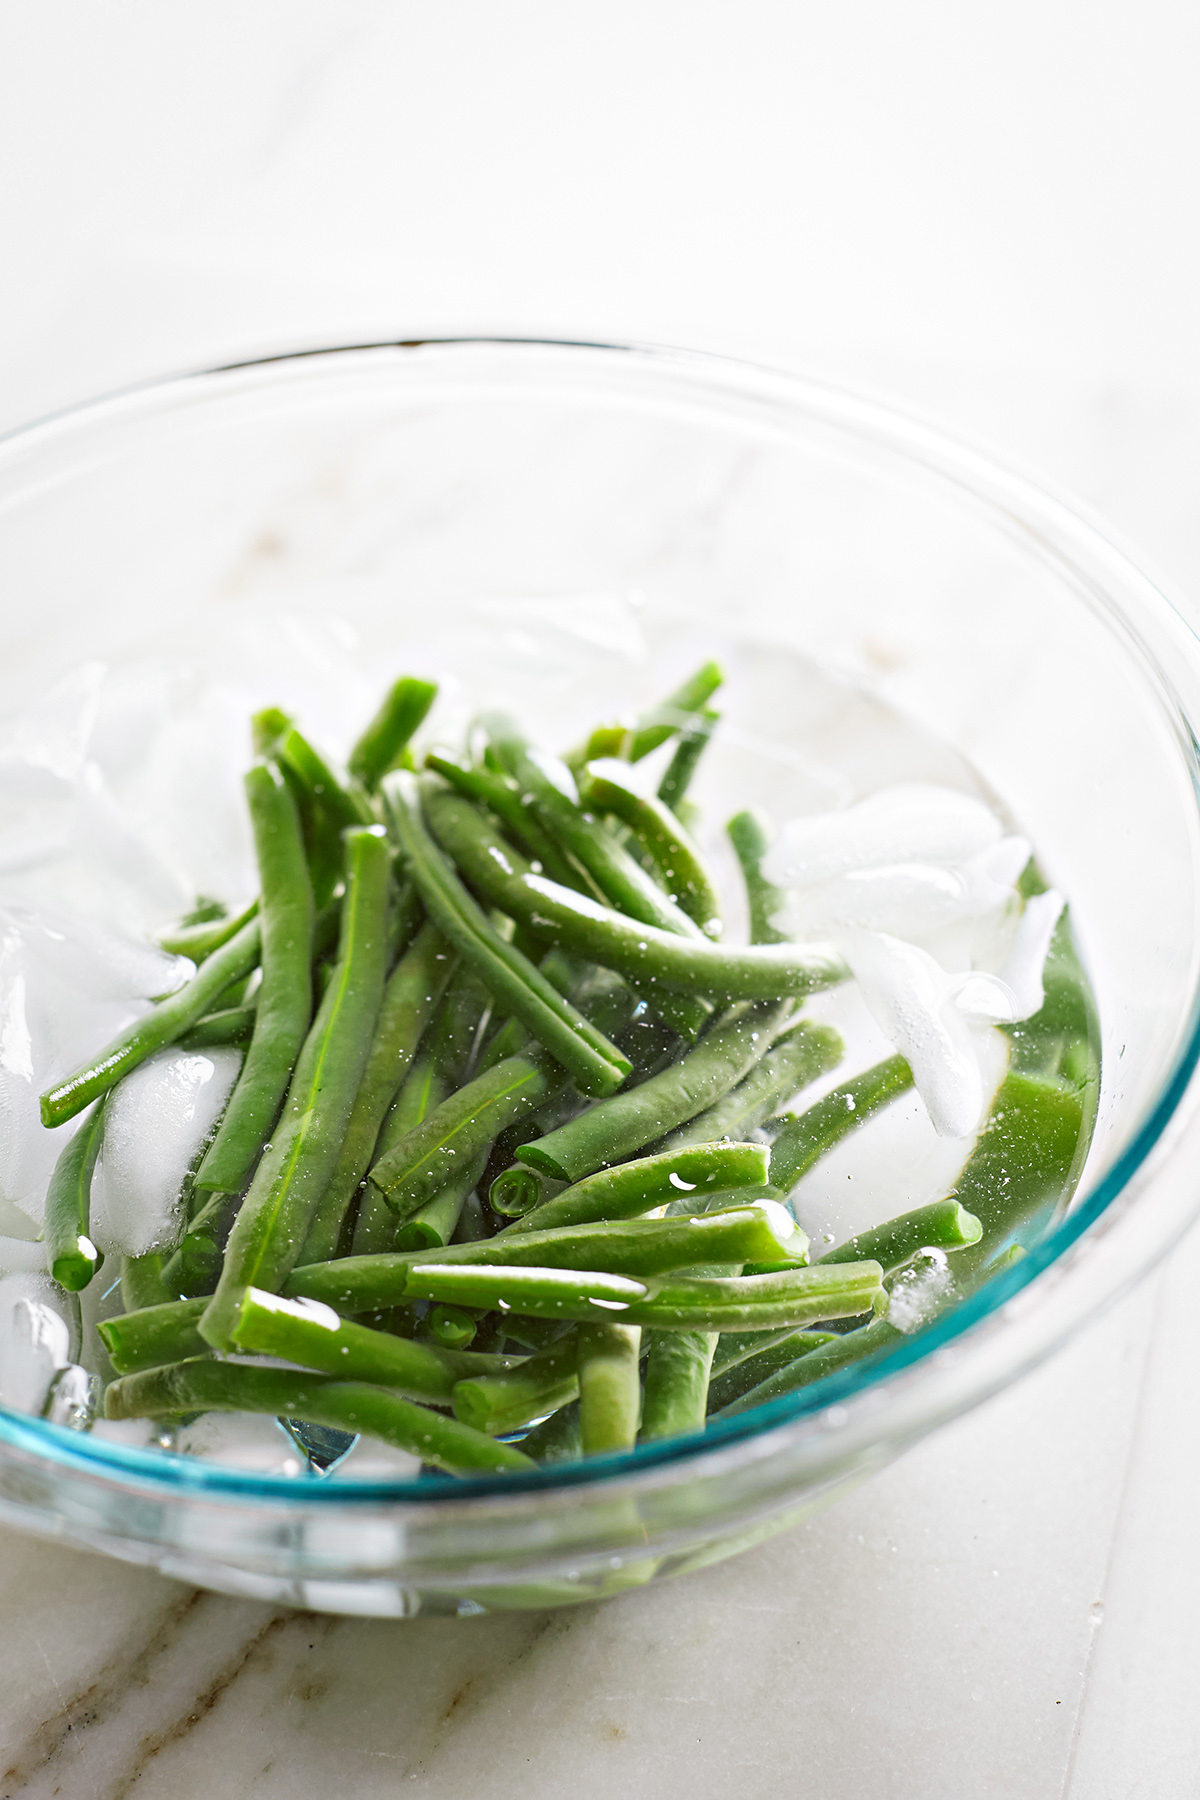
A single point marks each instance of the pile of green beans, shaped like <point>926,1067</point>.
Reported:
<point>495,1166</point>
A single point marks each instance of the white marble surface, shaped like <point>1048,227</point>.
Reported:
<point>991,215</point>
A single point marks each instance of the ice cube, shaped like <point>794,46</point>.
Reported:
<point>155,1123</point>
<point>369,1460</point>
<point>912,999</point>
<point>919,822</point>
<point>920,1290</point>
<point>1025,965</point>
<point>911,899</point>
<point>73,1397</point>
<point>20,1256</point>
<point>242,1441</point>
<point>35,1340</point>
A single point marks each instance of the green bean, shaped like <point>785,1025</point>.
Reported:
<point>501,796</point>
<point>759,1365</point>
<point>436,1222</point>
<point>342,801</point>
<point>453,1327</point>
<point>200,938</point>
<point>515,1191</point>
<point>556,1439</point>
<point>673,713</point>
<point>305,1332</point>
<point>943,1226</point>
<point>614,874</point>
<point>810,1366</point>
<point>695,1174</point>
<point>521,989</point>
<point>162,1025</point>
<point>750,834</point>
<point>642,953</point>
<point>676,1391</point>
<point>619,878</point>
<point>806,1137</point>
<point>739,1234</point>
<point>353,1406</point>
<point>409,1000</point>
<point>154,1333</point>
<point>70,1253</point>
<point>618,1127</point>
<point>231,1025</point>
<point>142,1281</point>
<point>284,1008</point>
<point>383,743</point>
<point>800,1055</point>
<point>502,1403</point>
<point>425,1159</point>
<point>423,1089</point>
<point>693,741</point>
<point>194,1266</point>
<point>609,1389</point>
<point>292,1175</point>
<point>663,839</point>
<point>797,1296</point>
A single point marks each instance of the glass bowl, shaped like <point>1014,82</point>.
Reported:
<point>408,492</point>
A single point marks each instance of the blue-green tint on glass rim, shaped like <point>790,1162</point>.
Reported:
<point>183,1475</point>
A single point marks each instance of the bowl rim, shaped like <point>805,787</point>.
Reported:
<point>1028,502</point>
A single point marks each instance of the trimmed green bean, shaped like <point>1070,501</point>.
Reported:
<point>806,1137</point>
<point>802,1054</point>
<point>277,1212</point>
<point>425,1159</point>
<point>693,741</point>
<point>796,1296</point>
<point>616,876</point>
<point>621,881</point>
<point>663,839</point>
<point>677,1375</point>
<point>162,1025</point>
<point>838,1353</point>
<point>308,1333</point>
<point>70,1253</point>
<point>232,1025</point>
<point>617,1128</point>
<point>519,987</point>
<point>642,953</point>
<point>750,834</point>
<point>675,712</point>
<point>283,1011</point>
<point>943,1226</point>
<point>516,1191</point>
<point>759,1233</point>
<point>502,797</point>
<point>200,939</point>
<point>436,1222</point>
<point>383,743</point>
<point>540,1384</point>
<point>194,1266</point>
<point>343,802</point>
<point>353,1406</point>
<point>609,1388</point>
<point>142,1281</point>
<point>152,1334</point>
<point>410,998</point>
<point>694,1174</point>
<point>757,1366</point>
<point>453,1327</point>
<point>556,1439</point>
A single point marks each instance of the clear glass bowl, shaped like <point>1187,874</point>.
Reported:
<point>410,480</point>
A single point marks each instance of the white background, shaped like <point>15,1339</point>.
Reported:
<point>990,212</point>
